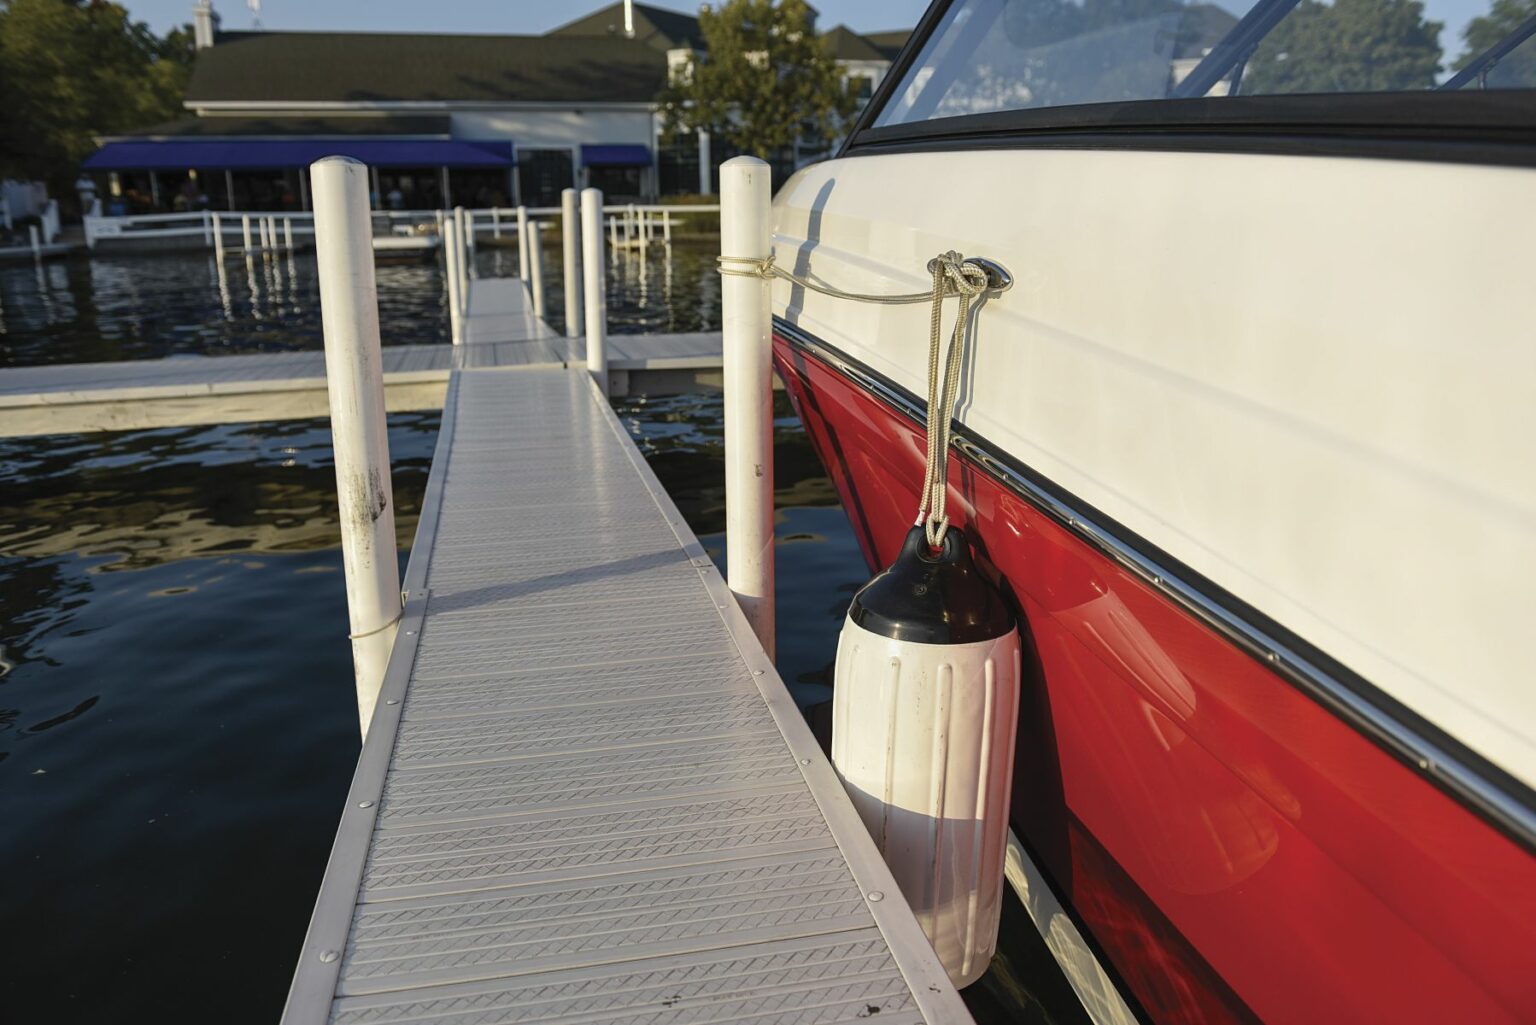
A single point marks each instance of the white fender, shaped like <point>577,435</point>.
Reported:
<point>923,737</point>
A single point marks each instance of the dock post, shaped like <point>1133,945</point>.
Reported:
<point>207,229</point>
<point>570,245</point>
<point>245,231</point>
<point>666,226</point>
<point>288,233</point>
<point>349,315</point>
<point>439,214</point>
<point>37,245</point>
<point>218,239</point>
<point>460,253</point>
<point>746,320</point>
<point>536,266</point>
<point>451,272</point>
<point>522,243</point>
<point>613,233</point>
<point>495,222</point>
<point>594,283</point>
<point>467,220</point>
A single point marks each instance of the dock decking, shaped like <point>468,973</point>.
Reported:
<point>586,794</point>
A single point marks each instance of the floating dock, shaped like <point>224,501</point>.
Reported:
<point>188,390</point>
<point>586,794</point>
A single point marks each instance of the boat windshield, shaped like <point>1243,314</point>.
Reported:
<point>997,55</point>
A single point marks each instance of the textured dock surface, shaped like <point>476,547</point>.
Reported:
<point>586,794</point>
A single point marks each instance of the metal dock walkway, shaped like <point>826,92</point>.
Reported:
<point>586,794</point>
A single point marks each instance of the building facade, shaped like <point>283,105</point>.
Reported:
<point>442,120</point>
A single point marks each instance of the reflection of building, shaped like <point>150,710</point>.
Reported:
<point>441,119</point>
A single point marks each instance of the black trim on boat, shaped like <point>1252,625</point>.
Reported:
<point>1467,126</point>
<point>1464,127</point>
<point>1493,794</point>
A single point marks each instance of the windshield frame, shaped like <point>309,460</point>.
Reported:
<point>1464,126</point>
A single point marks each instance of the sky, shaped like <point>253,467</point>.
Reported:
<point>488,16</point>
<point>534,16</point>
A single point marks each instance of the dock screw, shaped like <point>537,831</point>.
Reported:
<point>757,672</point>
<point>328,956</point>
<point>392,701</point>
<point>805,761</point>
<point>876,896</point>
<point>365,804</point>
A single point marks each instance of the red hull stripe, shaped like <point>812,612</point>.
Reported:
<point>1235,848</point>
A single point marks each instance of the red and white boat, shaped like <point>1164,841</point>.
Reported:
<point>1249,444</point>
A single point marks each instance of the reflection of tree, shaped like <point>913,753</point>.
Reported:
<point>1348,46</point>
<point>1057,52</point>
<point>1516,69</point>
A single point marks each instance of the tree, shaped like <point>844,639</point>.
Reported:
<point>1347,46</point>
<point>74,69</point>
<point>766,80</point>
<point>1517,69</point>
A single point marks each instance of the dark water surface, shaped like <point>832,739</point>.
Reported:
<point>155,305</point>
<point>177,721</point>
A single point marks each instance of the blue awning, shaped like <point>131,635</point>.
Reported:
<point>253,154</point>
<point>616,156</point>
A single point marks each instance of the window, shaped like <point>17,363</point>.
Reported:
<point>998,55</point>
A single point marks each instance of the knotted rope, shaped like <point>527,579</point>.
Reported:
<point>953,275</point>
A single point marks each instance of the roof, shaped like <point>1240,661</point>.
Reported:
<point>655,27</point>
<point>848,45</point>
<point>890,42</point>
<point>320,127</point>
<point>388,66</point>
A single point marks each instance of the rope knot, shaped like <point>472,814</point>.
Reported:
<point>959,276</point>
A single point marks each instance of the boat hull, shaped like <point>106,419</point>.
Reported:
<point>1235,849</point>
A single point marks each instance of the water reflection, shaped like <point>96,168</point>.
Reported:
<point>148,306</point>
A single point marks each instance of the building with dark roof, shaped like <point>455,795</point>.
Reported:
<point>442,119</point>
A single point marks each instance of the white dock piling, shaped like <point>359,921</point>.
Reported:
<point>613,233</point>
<point>451,259</point>
<point>666,226</point>
<point>349,314</point>
<point>261,225</point>
<point>37,245</point>
<point>570,246</point>
<point>207,229</point>
<point>439,214</point>
<point>218,240</point>
<point>522,242</point>
<point>746,234</point>
<point>245,231</point>
<point>288,233</point>
<point>461,254</point>
<point>595,284</point>
<point>467,221</point>
<point>536,266</point>
<point>495,222</point>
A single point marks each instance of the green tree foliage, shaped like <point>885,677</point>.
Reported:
<point>74,69</point>
<point>1347,46</point>
<point>1517,69</point>
<point>767,79</point>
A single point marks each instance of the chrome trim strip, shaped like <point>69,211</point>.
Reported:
<point>1500,799</point>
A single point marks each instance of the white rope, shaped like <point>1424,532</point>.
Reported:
<point>969,281</point>
<point>953,275</point>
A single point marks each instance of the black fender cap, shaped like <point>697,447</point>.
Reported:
<point>929,597</point>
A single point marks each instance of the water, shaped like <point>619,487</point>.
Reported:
<point>177,722</point>
<point>152,306</point>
